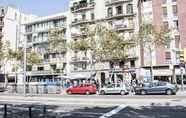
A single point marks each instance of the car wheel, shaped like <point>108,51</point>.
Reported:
<point>143,92</point>
<point>122,92</point>
<point>69,92</point>
<point>87,92</point>
<point>102,92</point>
<point>169,92</point>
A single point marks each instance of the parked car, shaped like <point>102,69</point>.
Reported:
<point>156,87</point>
<point>114,89</point>
<point>2,89</point>
<point>82,89</point>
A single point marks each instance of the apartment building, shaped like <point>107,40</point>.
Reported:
<point>120,15</point>
<point>11,30</point>
<point>37,34</point>
<point>170,14</point>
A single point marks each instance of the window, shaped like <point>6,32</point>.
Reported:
<point>129,9</point>
<point>92,16</point>
<point>84,66</point>
<point>165,11</point>
<point>109,12</point>
<point>176,24</point>
<point>53,66</point>
<point>40,68</point>
<point>132,63</point>
<point>174,9</point>
<point>166,25</point>
<point>164,1</point>
<point>119,10</point>
<point>53,55</point>
<point>83,16</point>
<point>167,55</point>
<point>174,0</point>
<point>177,41</point>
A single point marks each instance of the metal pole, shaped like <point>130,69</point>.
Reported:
<point>182,79</point>
<point>24,78</point>
<point>5,111</point>
<point>30,111</point>
<point>44,111</point>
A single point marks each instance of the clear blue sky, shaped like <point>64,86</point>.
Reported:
<point>38,7</point>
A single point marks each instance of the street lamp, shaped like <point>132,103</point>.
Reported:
<point>24,68</point>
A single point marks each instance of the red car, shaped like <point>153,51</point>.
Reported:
<point>82,89</point>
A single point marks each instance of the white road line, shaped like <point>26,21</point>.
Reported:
<point>114,111</point>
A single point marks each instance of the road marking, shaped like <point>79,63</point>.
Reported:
<point>114,111</point>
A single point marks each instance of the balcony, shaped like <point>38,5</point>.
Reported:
<point>113,2</point>
<point>122,27</point>
<point>116,16</point>
<point>58,60</point>
<point>78,35</point>
<point>81,22</point>
<point>82,7</point>
<point>43,72</point>
<point>79,59</point>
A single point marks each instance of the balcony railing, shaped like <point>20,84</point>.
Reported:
<point>79,59</point>
<point>119,16</point>
<point>82,7</point>
<point>112,2</point>
<point>122,27</point>
<point>81,21</point>
<point>81,34</point>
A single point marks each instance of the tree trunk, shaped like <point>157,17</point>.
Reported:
<point>151,66</point>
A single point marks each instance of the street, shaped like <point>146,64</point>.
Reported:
<point>94,106</point>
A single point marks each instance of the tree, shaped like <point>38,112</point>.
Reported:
<point>104,44</point>
<point>57,43</point>
<point>150,37</point>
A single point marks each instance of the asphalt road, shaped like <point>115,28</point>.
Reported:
<point>94,106</point>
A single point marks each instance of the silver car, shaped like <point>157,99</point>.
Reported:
<point>114,89</point>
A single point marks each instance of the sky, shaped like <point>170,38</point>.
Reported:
<point>38,7</point>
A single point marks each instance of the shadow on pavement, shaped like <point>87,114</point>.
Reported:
<point>152,112</point>
<point>52,111</point>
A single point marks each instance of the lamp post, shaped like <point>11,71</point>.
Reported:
<point>24,68</point>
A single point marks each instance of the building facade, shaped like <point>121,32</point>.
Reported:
<point>169,14</point>
<point>38,33</point>
<point>11,30</point>
<point>120,15</point>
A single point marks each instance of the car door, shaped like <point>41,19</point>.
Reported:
<point>109,89</point>
<point>156,88</point>
<point>151,88</point>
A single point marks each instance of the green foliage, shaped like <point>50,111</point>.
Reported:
<point>149,36</point>
<point>104,43</point>
<point>33,58</point>
<point>57,42</point>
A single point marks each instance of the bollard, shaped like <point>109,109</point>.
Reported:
<point>30,111</point>
<point>44,111</point>
<point>5,111</point>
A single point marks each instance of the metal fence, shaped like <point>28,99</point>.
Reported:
<point>35,88</point>
<point>25,111</point>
